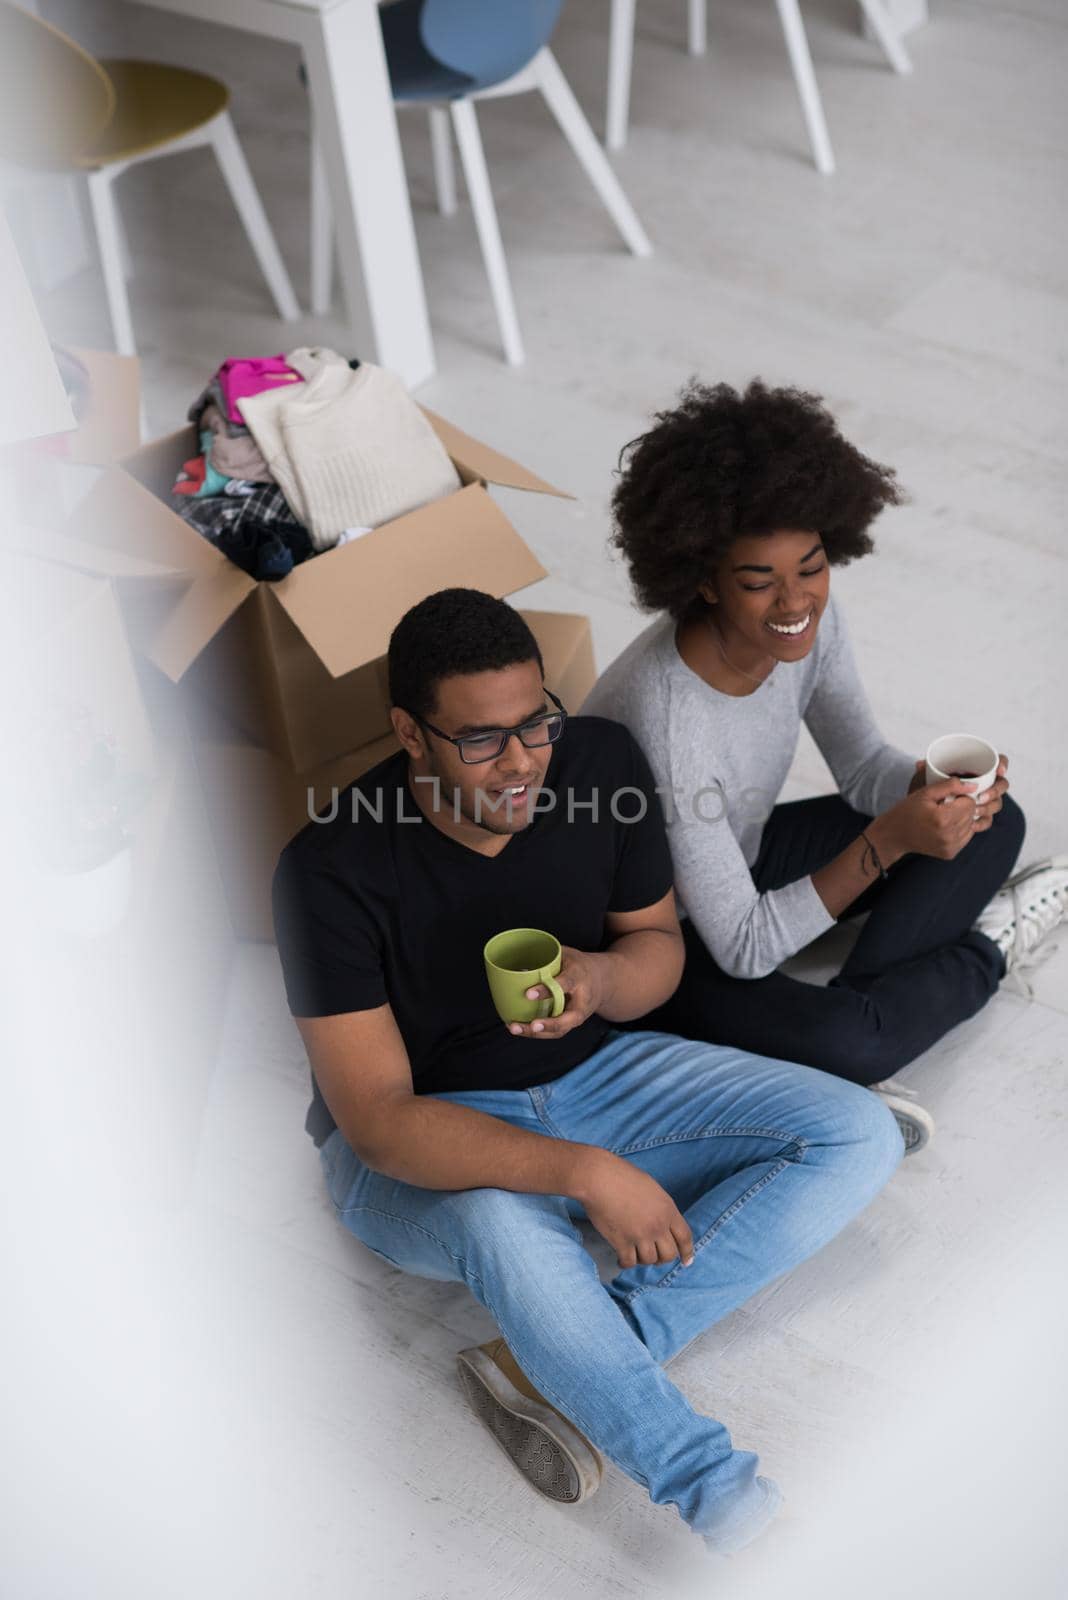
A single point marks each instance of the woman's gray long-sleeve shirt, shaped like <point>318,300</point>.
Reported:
<point>720,762</point>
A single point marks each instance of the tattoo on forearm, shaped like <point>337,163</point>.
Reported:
<point>870,864</point>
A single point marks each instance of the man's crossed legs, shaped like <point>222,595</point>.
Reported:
<point>766,1160</point>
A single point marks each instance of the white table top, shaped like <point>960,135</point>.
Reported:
<point>377,254</point>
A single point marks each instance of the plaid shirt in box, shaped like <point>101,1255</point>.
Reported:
<point>252,524</point>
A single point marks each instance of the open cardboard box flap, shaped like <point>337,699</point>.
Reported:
<point>206,605</point>
<point>123,523</point>
<point>98,560</point>
<point>346,601</point>
<point>122,513</point>
<point>111,425</point>
<point>482,461</point>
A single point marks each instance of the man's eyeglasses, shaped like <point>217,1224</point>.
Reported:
<point>488,744</point>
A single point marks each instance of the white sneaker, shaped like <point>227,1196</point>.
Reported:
<point>1031,904</point>
<point>917,1125</point>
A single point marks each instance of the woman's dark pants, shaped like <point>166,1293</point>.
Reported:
<point>916,970</point>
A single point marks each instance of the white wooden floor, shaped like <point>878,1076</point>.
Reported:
<point>906,1386</point>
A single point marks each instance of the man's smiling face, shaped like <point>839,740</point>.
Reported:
<point>496,795</point>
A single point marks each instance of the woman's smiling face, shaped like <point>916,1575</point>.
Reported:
<point>770,591</point>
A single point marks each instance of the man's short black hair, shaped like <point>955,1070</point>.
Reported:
<point>451,633</point>
<point>721,465</point>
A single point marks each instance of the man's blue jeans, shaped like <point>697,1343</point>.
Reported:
<point>766,1160</point>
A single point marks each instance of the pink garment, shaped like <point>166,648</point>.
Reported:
<point>248,375</point>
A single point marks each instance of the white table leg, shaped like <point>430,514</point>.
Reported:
<point>620,52</point>
<point>356,126</point>
<point>697,27</point>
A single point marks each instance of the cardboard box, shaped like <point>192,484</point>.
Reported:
<point>298,665</point>
<point>111,426</point>
<point>257,803</point>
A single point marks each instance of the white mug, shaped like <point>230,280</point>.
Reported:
<point>954,753</point>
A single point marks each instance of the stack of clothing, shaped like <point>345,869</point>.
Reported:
<point>302,452</point>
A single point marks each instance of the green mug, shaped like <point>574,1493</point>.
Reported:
<point>516,960</point>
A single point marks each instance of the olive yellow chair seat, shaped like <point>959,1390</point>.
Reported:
<point>61,109</point>
<point>154,105</point>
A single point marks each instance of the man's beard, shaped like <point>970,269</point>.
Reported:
<point>496,817</point>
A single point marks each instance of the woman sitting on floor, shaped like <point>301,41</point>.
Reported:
<point>730,513</point>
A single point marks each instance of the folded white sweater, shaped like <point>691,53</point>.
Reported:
<point>348,448</point>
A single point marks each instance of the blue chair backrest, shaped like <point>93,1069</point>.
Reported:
<point>489,40</point>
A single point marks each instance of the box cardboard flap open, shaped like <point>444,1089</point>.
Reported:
<point>345,603</point>
<point>487,463</point>
<point>208,602</point>
<point>95,559</point>
<point>156,464</point>
<point>119,513</point>
<point>111,426</point>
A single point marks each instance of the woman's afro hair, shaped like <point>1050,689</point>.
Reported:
<point>722,465</point>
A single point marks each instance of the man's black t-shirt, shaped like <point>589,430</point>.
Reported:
<point>368,912</point>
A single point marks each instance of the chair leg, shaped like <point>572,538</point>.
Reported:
<point>579,135</point>
<point>109,243</point>
<point>882,26</point>
<point>620,57</point>
<point>465,125</point>
<point>804,77</point>
<point>243,191</point>
<point>441,154</point>
<point>322,232</point>
<point>125,255</point>
<point>697,27</point>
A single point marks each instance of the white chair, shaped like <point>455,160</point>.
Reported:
<point>435,65</point>
<point>65,109</point>
<point>621,48</point>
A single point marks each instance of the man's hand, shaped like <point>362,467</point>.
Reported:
<point>633,1212</point>
<point>582,977</point>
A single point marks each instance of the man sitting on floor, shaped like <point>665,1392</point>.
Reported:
<point>461,1148</point>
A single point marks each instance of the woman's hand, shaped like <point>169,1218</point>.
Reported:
<point>580,978</point>
<point>989,802</point>
<point>935,819</point>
